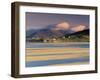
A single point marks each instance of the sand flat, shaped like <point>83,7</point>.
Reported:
<point>38,58</point>
<point>55,50</point>
<point>72,53</point>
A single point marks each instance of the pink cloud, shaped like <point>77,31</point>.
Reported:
<point>78,28</point>
<point>62,26</point>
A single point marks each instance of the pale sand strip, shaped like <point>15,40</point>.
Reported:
<point>38,58</point>
<point>70,53</point>
<point>57,53</point>
<point>54,48</point>
<point>57,50</point>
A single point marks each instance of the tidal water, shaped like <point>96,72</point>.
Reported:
<point>56,45</point>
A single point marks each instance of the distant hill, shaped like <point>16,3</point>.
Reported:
<point>81,36</point>
<point>80,33</point>
<point>29,32</point>
<point>49,33</point>
<point>55,31</point>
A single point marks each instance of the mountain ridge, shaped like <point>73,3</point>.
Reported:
<point>51,31</point>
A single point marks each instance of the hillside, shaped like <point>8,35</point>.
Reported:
<point>78,36</point>
<point>59,32</point>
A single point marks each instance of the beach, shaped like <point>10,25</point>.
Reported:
<point>56,56</point>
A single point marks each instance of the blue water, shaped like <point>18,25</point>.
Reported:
<point>56,45</point>
<point>52,62</point>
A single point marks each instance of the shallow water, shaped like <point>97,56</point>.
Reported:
<point>52,62</point>
<point>56,45</point>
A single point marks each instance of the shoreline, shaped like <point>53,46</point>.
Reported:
<point>59,42</point>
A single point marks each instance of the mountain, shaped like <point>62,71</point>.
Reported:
<point>29,32</point>
<point>79,34</point>
<point>51,31</point>
<point>48,33</point>
<point>54,31</point>
<point>84,32</point>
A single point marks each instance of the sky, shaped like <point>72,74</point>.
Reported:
<point>42,20</point>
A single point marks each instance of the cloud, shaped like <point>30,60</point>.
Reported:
<point>78,28</point>
<point>62,26</point>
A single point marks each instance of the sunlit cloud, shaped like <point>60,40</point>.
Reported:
<point>62,26</point>
<point>78,28</point>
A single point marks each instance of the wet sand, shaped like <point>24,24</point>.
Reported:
<point>46,54</point>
